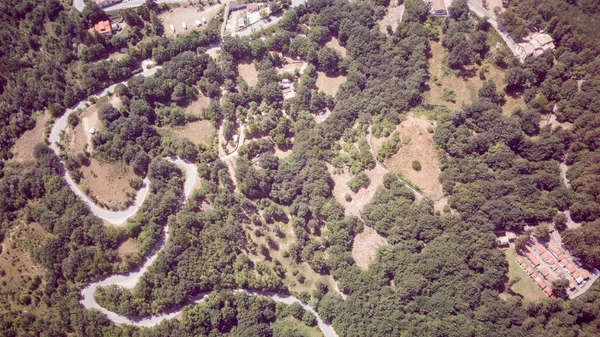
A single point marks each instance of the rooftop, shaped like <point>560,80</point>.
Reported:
<point>103,27</point>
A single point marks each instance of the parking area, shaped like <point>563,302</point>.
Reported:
<point>187,18</point>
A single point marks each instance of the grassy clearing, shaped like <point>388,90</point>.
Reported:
<point>466,82</point>
<point>23,149</point>
<point>248,73</point>
<point>365,247</point>
<point>525,287</point>
<point>335,45</point>
<point>417,144</point>
<point>329,85</point>
<point>18,270</point>
<point>292,324</point>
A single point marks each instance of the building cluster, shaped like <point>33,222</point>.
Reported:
<point>537,44</point>
<point>545,266</point>
<point>249,14</point>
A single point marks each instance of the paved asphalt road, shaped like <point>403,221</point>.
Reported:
<point>116,218</point>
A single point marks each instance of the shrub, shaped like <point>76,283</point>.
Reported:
<point>448,95</point>
<point>416,165</point>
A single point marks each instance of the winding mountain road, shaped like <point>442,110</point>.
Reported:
<point>130,279</point>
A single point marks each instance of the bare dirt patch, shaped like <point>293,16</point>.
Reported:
<point>365,247</point>
<point>23,149</point>
<point>465,84</point>
<point>248,73</point>
<point>198,132</point>
<point>335,45</point>
<point>420,147</point>
<point>329,85</point>
<point>392,17</point>
<point>187,14</point>
<point>108,182</point>
<point>364,195</point>
<point>195,108</point>
<point>130,246</point>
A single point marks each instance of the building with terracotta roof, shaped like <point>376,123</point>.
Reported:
<point>520,260</point>
<point>575,274</point>
<point>548,291</point>
<point>571,268</point>
<point>550,278</point>
<point>586,275</point>
<point>103,28</point>
<point>540,249</point>
<point>544,272</point>
<point>529,271</point>
<point>533,259</point>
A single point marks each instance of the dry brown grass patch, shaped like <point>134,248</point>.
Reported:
<point>248,73</point>
<point>363,196</point>
<point>365,247</point>
<point>23,149</point>
<point>108,182</point>
<point>128,247</point>
<point>422,148</point>
<point>198,131</point>
<point>329,85</point>
<point>195,108</point>
<point>335,45</point>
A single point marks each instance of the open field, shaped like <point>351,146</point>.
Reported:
<point>329,85</point>
<point>248,73</point>
<point>187,14</point>
<point>465,83</point>
<point>292,324</point>
<point>130,246</point>
<point>108,182</point>
<point>420,147</point>
<point>334,44</point>
<point>198,131</point>
<point>16,263</point>
<point>364,195</point>
<point>23,149</point>
<point>392,17</point>
<point>195,108</point>
<point>365,247</point>
<point>525,287</point>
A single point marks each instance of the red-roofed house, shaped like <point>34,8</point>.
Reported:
<point>548,291</point>
<point>575,274</point>
<point>554,249</point>
<point>571,268</point>
<point>103,28</point>
<point>544,272</point>
<point>571,285</point>
<point>550,278</point>
<point>561,257</point>
<point>519,260</point>
<point>540,249</point>
<point>529,270</point>
<point>586,274</point>
<point>546,256</point>
<point>533,259</point>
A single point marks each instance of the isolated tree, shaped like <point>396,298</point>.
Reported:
<point>460,56</point>
<point>542,231</point>
<point>459,10</point>
<point>560,221</point>
<point>559,287</point>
